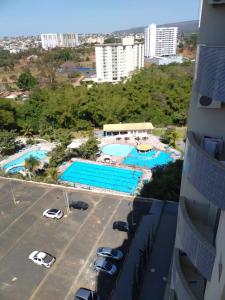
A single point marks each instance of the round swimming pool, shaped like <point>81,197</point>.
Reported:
<point>117,149</point>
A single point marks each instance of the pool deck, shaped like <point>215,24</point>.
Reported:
<point>146,139</point>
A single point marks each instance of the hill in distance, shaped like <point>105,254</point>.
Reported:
<point>186,27</point>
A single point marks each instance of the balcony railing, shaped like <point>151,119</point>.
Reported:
<point>194,239</point>
<point>211,72</point>
<point>187,283</point>
<point>206,173</point>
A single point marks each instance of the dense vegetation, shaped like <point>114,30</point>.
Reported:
<point>165,183</point>
<point>157,94</point>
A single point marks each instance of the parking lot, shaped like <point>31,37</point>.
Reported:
<point>73,240</point>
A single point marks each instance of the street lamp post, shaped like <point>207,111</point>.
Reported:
<point>13,195</point>
<point>67,202</point>
<point>132,212</point>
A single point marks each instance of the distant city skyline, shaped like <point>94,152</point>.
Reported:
<point>27,17</point>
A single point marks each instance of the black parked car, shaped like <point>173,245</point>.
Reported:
<point>121,226</point>
<point>86,294</point>
<point>79,205</point>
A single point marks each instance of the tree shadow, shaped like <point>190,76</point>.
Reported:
<point>104,283</point>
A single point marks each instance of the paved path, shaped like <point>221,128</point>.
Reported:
<point>154,282</point>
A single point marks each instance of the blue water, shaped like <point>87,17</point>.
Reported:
<point>151,159</point>
<point>101,176</point>
<point>16,170</point>
<point>117,149</point>
<point>38,154</point>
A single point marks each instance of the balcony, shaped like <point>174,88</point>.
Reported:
<point>211,72</point>
<point>188,283</point>
<point>206,173</point>
<point>195,236</point>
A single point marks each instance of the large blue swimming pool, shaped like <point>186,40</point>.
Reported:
<point>151,159</point>
<point>107,177</point>
<point>38,154</point>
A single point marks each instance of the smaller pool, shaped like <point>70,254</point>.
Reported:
<point>38,154</point>
<point>117,149</point>
<point>151,159</point>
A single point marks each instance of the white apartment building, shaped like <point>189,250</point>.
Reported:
<point>198,271</point>
<point>160,41</point>
<point>52,40</point>
<point>116,61</point>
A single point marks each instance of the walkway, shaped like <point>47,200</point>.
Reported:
<point>154,281</point>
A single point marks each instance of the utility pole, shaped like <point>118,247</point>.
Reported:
<point>67,202</point>
<point>13,195</point>
<point>132,212</point>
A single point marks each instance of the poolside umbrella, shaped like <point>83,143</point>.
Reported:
<point>144,147</point>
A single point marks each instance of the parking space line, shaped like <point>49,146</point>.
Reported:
<point>58,260</point>
<point>93,249</point>
<point>26,210</point>
<point>30,228</point>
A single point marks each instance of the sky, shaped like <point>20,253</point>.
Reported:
<point>31,17</point>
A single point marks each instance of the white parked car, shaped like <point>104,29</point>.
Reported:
<point>42,258</point>
<point>53,213</point>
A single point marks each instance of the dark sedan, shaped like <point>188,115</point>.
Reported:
<point>79,205</point>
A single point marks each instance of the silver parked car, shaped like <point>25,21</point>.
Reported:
<point>42,258</point>
<point>101,265</point>
<point>110,253</point>
<point>53,213</point>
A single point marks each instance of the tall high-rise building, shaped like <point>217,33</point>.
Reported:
<point>116,61</point>
<point>198,270</point>
<point>52,40</point>
<point>160,41</point>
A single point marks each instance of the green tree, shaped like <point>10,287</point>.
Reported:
<point>165,182</point>
<point>58,156</point>
<point>89,149</point>
<point>170,137</point>
<point>52,174</point>
<point>8,143</point>
<point>26,81</point>
<point>31,165</point>
<point>7,114</point>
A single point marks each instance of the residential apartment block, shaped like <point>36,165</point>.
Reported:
<point>117,61</point>
<point>52,40</point>
<point>198,271</point>
<point>160,41</point>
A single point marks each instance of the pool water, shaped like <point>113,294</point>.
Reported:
<point>150,159</point>
<point>38,154</point>
<point>117,149</point>
<point>133,157</point>
<point>100,176</point>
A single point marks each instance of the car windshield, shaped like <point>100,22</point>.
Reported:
<point>108,266</point>
<point>53,210</point>
<point>48,258</point>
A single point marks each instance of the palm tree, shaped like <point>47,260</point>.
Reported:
<point>53,174</point>
<point>27,131</point>
<point>31,165</point>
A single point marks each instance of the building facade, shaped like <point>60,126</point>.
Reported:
<point>127,129</point>
<point>198,270</point>
<point>117,61</point>
<point>160,41</point>
<point>52,40</point>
